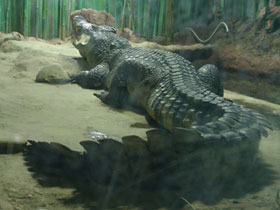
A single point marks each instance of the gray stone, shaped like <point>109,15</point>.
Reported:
<point>52,73</point>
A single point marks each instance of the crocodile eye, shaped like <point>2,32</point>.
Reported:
<point>94,27</point>
<point>114,30</point>
<point>112,46</point>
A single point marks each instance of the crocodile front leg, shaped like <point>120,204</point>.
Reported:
<point>130,84</point>
<point>93,79</point>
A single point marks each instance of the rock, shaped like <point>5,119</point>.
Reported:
<point>53,74</point>
<point>96,17</point>
<point>104,18</point>
<point>9,46</point>
<point>129,34</point>
<point>11,36</point>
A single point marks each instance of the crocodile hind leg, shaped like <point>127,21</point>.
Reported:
<point>209,75</point>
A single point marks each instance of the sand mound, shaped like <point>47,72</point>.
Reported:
<point>32,57</point>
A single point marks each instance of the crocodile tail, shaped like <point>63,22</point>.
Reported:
<point>236,123</point>
<point>181,100</point>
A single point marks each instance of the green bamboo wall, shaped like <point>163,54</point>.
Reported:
<point>148,18</point>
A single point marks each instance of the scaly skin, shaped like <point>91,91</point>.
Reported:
<point>167,86</point>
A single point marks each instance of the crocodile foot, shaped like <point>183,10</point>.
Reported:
<point>103,96</point>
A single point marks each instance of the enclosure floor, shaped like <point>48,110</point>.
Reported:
<point>63,113</point>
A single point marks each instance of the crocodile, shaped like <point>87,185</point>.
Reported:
<point>205,139</point>
<point>165,85</point>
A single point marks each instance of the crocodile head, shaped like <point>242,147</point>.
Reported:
<point>95,42</point>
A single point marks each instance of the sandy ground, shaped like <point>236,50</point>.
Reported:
<point>64,113</point>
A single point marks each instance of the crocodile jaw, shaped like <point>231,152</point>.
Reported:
<point>81,40</point>
<point>83,31</point>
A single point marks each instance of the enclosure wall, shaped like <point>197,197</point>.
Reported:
<point>147,18</point>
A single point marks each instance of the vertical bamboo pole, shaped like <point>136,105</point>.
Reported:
<point>130,19</point>
<point>56,17</point>
<point>150,19</point>
<point>145,17</point>
<point>161,17</point>
<point>175,17</point>
<point>41,18</point>
<point>123,16</point>
<point>86,3</point>
<point>69,25</point>
<point>116,4</point>
<point>26,15</point>
<point>14,18</point>
<point>216,10</point>
<point>73,5</point>
<point>45,24</point>
<point>83,4</point>
<point>107,5</point>
<point>95,4</point>
<point>244,15</point>
<point>232,8</point>
<point>112,7</point>
<point>77,3</point>
<point>20,17</point>
<point>156,18</point>
<point>140,17</point>
<point>102,4</point>
<point>91,4</point>
<point>134,15</point>
<point>8,15</point>
<point>64,18</point>
<point>155,12</point>
<point>256,7</point>
<point>37,15</point>
<point>59,18</point>
<point>48,20</point>
<point>2,15</point>
<point>168,19</point>
<point>119,12</point>
<point>188,9</point>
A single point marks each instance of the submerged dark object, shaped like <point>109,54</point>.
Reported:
<point>165,85</point>
<point>163,161</point>
<point>196,37</point>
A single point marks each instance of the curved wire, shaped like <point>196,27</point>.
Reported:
<point>209,39</point>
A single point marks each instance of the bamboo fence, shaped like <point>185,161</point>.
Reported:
<point>49,19</point>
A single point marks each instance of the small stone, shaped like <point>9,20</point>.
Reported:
<point>53,74</point>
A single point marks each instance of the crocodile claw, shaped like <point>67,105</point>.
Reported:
<point>102,96</point>
<point>73,79</point>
